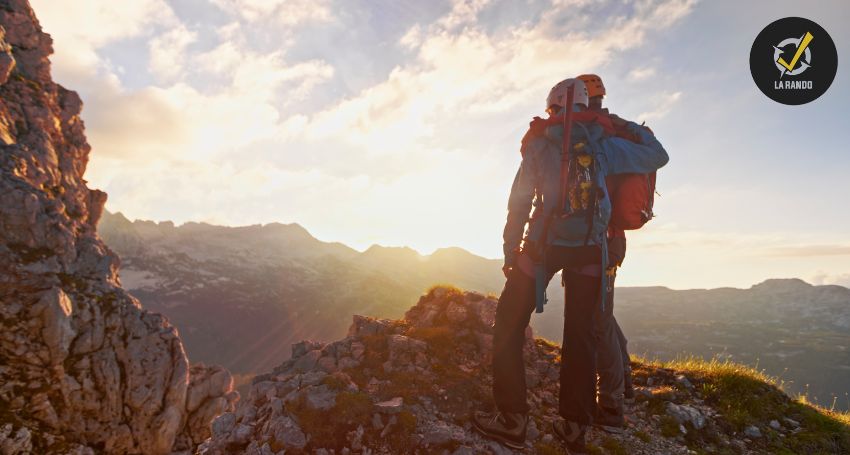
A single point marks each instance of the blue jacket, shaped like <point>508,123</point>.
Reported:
<point>538,180</point>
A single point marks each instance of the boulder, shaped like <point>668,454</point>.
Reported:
<point>684,413</point>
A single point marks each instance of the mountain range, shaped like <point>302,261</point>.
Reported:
<point>288,286</point>
<point>87,368</point>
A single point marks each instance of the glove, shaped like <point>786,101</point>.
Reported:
<point>616,251</point>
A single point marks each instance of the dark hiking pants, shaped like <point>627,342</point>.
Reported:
<point>610,354</point>
<point>624,351</point>
<point>577,400</point>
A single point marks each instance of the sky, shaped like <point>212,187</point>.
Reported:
<point>398,122</point>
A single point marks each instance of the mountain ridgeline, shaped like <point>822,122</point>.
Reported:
<point>241,295</point>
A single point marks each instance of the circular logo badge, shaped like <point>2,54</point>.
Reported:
<point>793,61</point>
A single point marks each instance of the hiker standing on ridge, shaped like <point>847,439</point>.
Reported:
<point>568,232</point>
<point>612,357</point>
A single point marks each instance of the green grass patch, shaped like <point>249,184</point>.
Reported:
<point>542,448</point>
<point>29,255</point>
<point>448,291</point>
<point>409,385</point>
<point>335,381</point>
<point>613,446</point>
<point>669,426</point>
<point>398,440</point>
<point>547,344</point>
<point>441,340</point>
<point>330,427</point>
<point>746,396</point>
<point>643,436</point>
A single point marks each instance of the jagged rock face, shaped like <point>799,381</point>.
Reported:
<point>82,366</point>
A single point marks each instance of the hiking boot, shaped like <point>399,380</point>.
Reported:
<point>610,420</point>
<point>629,395</point>
<point>505,427</point>
<point>572,434</point>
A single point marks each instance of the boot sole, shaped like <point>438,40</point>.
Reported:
<point>566,443</point>
<point>502,439</point>
<point>610,429</point>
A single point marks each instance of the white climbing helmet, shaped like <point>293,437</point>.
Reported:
<point>558,94</point>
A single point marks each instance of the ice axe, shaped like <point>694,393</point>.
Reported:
<point>565,151</point>
<point>540,267</point>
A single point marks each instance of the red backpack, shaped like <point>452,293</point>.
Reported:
<point>632,195</point>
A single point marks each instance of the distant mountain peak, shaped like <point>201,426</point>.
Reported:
<point>116,217</point>
<point>451,251</point>
<point>396,251</point>
<point>782,285</point>
<point>289,227</point>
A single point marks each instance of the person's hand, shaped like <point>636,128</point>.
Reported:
<point>532,250</point>
<point>507,270</point>
<point>616,251</point>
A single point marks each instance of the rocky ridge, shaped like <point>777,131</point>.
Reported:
<point>83,368</point>
<point>408,386</point>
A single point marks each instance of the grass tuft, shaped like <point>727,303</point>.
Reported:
<point>613,446</point>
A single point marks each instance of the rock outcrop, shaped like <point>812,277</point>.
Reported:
<point>83,368</point>
<point>409,386</point>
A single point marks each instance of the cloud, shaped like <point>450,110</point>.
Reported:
<point>641,73</point>
<point>663,105</point>
<point>98,22</point>
<point>463,71</point>
<point>168,59</point>
<point>462,12</point>
<point>821,278</point>
<point>80,31</point>
<point>285,12</point>
<point>172,118</point>
<point>182,122</point>
<point>811,250</point>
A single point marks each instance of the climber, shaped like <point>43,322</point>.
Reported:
<point>568,233</point>
<point>612,358</point>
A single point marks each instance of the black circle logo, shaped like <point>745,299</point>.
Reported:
<point>793,61</point>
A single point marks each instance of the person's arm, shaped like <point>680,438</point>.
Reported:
<point>519,208</point>
<point>620,156</point>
